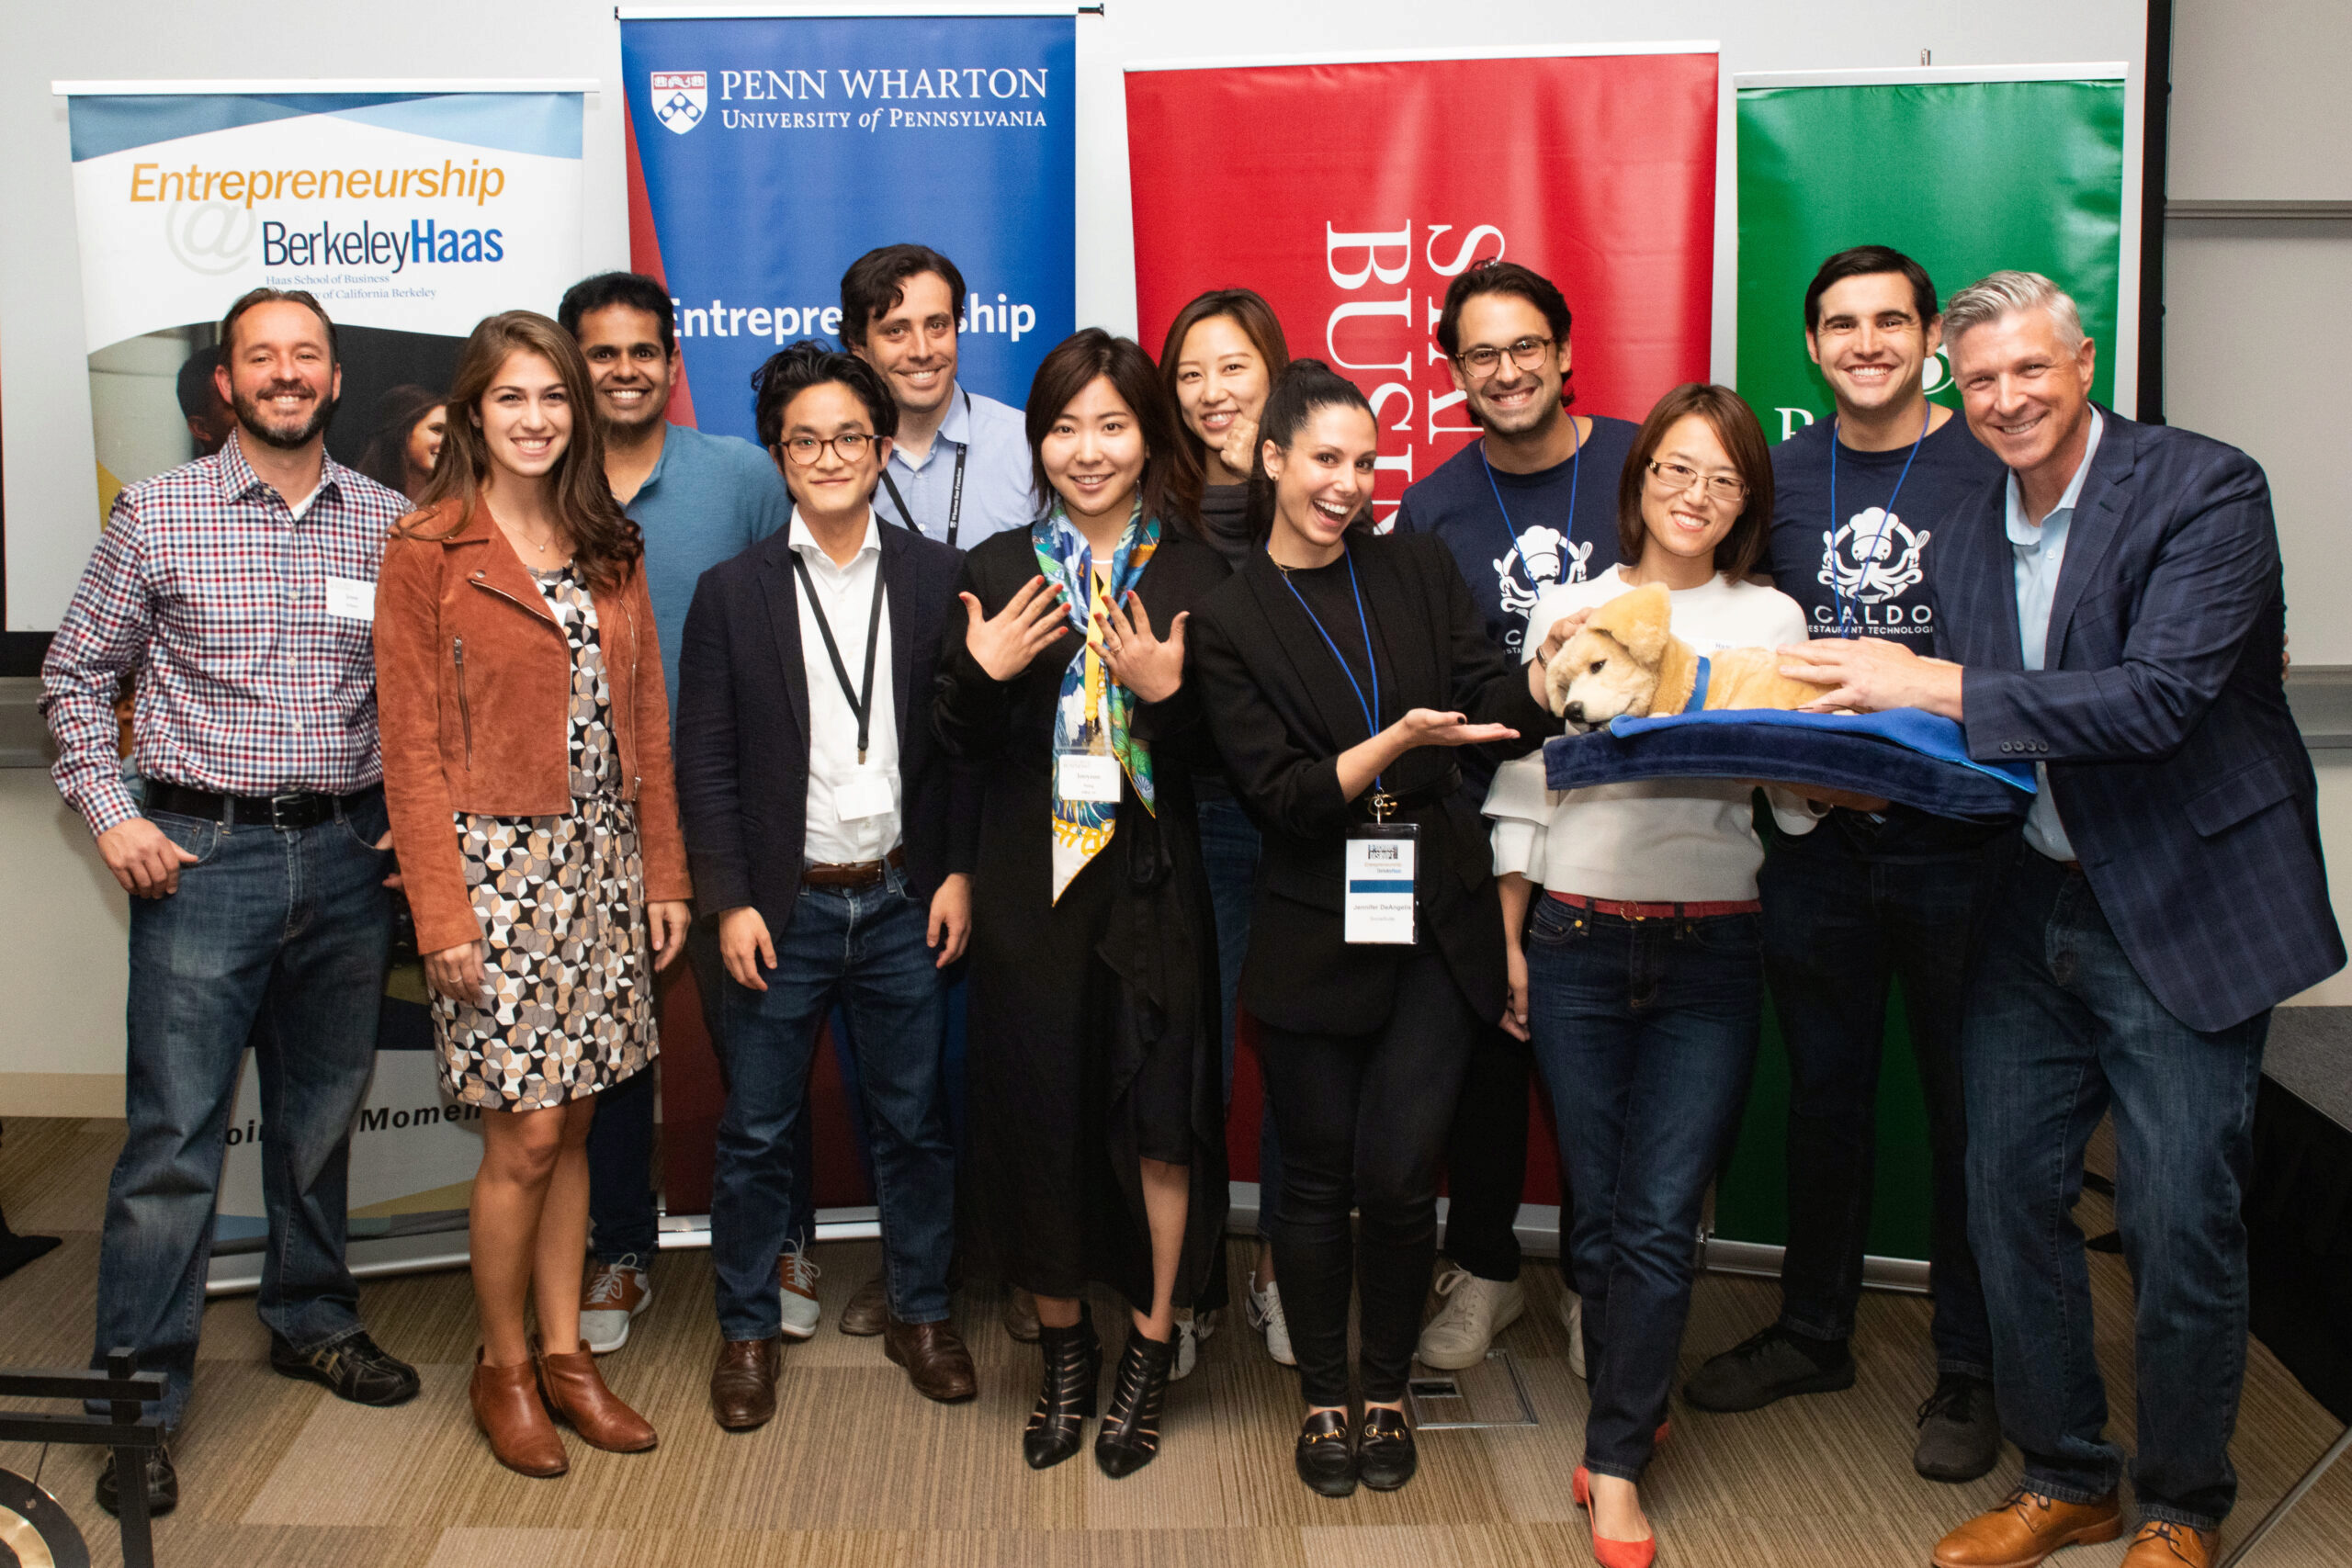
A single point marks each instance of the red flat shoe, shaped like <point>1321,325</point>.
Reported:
<point>1606,1552</point>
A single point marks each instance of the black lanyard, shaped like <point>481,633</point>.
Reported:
<point>861,702</point>
<point>955,496</point>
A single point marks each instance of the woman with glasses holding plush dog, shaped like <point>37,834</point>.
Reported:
<point>1632,930</point>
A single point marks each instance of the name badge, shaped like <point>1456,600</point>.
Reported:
<point>1086,775</point>
<point>866,793</point>
<point>1383,864</point>
<point>350,598</point>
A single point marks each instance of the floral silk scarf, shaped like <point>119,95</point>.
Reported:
<point>1095,712</point>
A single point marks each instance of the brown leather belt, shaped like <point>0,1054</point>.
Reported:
<point>851,874</point>
<point>1625,911</point>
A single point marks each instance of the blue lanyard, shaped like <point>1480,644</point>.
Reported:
<point>1576,472</point>
<point>1878,538</point>
<point>1371,659</point>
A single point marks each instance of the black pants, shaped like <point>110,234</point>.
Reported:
<point>1363,1120</point>
<point>1486,1155</point>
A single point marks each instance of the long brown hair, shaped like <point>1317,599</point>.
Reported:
<point>1067,370</point>
<point>1248,309</point>
<point>1733,423</point>
<point>604,544</point>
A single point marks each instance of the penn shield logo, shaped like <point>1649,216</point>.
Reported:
<point>1548,557</point>
<point>1873,557</point>
<point>680,98</point>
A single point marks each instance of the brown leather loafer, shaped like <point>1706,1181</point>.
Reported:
<point>575,1391</point>
<point>742,1386</point>
<point>869,1311</point>
<point>510,1412</point>
<point>935,1359</point>
<point>2027,1529</point>
<point>2163,1544</point>
<point>1020,1315</point>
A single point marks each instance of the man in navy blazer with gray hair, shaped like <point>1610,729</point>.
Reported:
<point>2116,614</point>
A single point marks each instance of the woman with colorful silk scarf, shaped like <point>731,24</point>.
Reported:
<point>1096,1102</point>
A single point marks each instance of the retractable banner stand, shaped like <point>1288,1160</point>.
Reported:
<point>765,156</point>
<point>1351,192</point>
<point>1968,171</point>
<point>410,210</point>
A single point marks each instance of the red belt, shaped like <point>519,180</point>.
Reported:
<point>1625,911</point>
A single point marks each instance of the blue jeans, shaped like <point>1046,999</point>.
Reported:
<point>1646,1033</point>
<point>864,949</point>
<point>1838,925</point>
<point>1229,849</point>
<point>2061,1029</point>
<point>279,940</point>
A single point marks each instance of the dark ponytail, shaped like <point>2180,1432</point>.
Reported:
<point>1304,388</point>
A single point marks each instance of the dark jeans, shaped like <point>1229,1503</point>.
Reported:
<point>2061,1031</point>
<point>1229,847</point>
<point>1363,1120</point>
<point>1838,925</point>
<point>279,940</point>
<point>863,949</point>
<point>1645,1031</point>
<point>621,1180</point>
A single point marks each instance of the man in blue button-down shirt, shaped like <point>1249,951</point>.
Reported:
<point>2116,613</point>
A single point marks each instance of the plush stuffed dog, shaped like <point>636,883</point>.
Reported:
<point>1626,662</point>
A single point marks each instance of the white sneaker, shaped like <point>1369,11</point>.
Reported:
<point>1264,1310</point>
<point>1475,1310</point>
<point>1192,1329</point>
<point>799,1277</point>
<point>1572,1319</point>
<point>614,1293</point>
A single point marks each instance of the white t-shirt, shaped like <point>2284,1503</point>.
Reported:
<point>1657,840</point>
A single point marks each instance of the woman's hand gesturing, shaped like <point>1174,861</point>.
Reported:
<point>1428,726</point>
<point>1149,666</point>
<point>1004,643</point>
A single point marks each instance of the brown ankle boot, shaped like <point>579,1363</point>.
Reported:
<point>577,1394</point>
<point>508,1410</point>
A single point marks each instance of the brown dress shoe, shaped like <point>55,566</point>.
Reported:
<point>869,1311</point>
<point>742,1386</point>
<point>935,1359</point>
<point>2163,1544</point>
<point>1020,1316</point>
<point>508,1410</point>
<point>576,1392</point>
<point>2027,1529</point>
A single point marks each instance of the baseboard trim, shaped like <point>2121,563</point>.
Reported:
<point>61,1094</point>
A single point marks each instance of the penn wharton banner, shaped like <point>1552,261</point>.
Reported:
<point>410,215</point>
<point>765,154</point>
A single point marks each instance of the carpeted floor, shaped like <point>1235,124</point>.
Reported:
<point>857,1470</point>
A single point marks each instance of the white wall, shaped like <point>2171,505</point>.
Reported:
<point>50,467</point>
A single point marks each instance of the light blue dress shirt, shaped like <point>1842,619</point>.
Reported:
<point>2040,551</point>
<point>997,491</point>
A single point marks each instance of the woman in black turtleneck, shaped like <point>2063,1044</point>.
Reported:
<point>1222,355</point>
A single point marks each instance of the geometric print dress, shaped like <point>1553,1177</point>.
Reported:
<point>561,901</point>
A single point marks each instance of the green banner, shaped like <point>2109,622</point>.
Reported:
<point>1967,177</point>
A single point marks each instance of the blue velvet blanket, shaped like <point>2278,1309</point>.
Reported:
<point>1906,755</point>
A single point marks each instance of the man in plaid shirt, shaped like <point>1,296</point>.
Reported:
<point>239,590</point>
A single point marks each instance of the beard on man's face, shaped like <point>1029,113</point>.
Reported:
<point>283,434</point>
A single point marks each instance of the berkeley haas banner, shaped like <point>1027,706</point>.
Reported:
<point>1351,194</point>
<point>766,153</point>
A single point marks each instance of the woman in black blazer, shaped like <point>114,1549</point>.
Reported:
<point>1097,1109</point>
<point>1339,670</point>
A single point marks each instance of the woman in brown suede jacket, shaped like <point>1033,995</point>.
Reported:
<point>526,768</point>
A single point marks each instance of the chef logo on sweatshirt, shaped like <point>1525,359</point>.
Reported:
<point>1547,556</point>
<point>1873,559</point>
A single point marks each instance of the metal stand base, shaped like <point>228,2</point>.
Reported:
<point>1492,1393</point>
<point>2286,1505</point>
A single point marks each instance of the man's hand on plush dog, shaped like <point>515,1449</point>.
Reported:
<point>1871,675</point>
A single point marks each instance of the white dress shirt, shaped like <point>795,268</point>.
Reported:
<point>847,595</point>
<point>2040,551</point>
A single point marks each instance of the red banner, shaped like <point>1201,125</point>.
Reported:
<point>1350,195</point>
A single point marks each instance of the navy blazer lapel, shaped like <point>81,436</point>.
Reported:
<point>784,619</point>
<point>897,594</point>
<point>2099,517</point>
<point>1983,601</point>
<point>1325,682</point>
